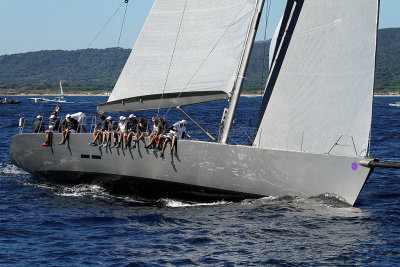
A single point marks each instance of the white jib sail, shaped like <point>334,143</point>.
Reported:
<point>272,45</point>
<point>61,90</point>
<point>322,98</point>
<point>187,48</point>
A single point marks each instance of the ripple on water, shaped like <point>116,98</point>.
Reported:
<point>47,224</point>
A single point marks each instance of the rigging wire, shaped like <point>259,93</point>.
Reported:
<point>101,31</point>
<point>172,57</point>
<point>93,40</point>
<point>262,81</point>
<point>204,60</point>
<point>119,39</point>
<point>105,25</point>
<point>265,37</point>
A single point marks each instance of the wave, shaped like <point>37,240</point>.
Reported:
<point>98,192</point>
<point>82,190</point>
<point>331,200</point>
<point>11,169</point>
<point>172,203</point>
<point>327,199</point>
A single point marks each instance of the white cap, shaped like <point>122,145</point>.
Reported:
<point>132,116</point>
<point>122,118</point>
<point>109,118</point>
<point>68,116</point>
<point>39,117</point>
<point>183,121</point>
<point>53,116</point>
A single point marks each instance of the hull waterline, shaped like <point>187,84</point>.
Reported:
<point>197,171</point>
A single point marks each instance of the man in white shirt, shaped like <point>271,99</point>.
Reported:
<point>81,118</point>
<point>177,132</point>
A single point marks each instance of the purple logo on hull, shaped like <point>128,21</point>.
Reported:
<point>354,166</point>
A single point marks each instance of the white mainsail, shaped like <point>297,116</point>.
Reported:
<point>321,100</point>
<point>189,51</point>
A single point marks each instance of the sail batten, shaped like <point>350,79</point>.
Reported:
<point>186,46</point>
<point>321,100</point>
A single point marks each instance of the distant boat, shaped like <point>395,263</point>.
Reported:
<point>396,104</point>
<point>37,99</point>
<point>60,99</point>
<point>10,101</point>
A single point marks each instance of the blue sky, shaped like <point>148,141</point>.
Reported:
<point>33,25</point>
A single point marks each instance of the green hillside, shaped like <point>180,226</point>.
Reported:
<point>91,69</point>
<point>96,70</point>
<point>387,74</point>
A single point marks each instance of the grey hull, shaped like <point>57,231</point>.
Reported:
<point>199,170</point>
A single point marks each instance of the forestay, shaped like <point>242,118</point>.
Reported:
<point>321,100</point>
<point>189,51</point>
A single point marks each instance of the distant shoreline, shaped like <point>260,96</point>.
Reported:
<point>43,95</point>
<point>95,94</point>
<point>108,94</point>
<point>391,95</point>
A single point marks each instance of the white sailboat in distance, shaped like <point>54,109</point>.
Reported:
<point>60,99</point>
<point>314,122</point>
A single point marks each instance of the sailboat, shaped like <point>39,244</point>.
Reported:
<point>395,104</point>
<point>313,125</point>
<point>60,99</point>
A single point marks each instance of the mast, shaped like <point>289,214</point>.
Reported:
<point>227,121</point>
<point>61,90</point>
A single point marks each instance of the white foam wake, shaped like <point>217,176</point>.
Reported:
<point>82,190</point>
<point>179,204</point>
<point>11,169</point>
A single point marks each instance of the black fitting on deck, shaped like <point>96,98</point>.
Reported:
<point>372,163</point>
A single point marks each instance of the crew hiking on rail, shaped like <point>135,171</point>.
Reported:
<point>112,134</point>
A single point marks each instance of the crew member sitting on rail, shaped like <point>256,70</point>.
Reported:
<point>164,130</point>
<point>131,127</point>
<point>81,118</point>
<point>38,126</point>
<point>54,126</point>
<point>141,131</point>
<point>110,132</point>
<point>56,111</point>
<point>70,126</point>
<point>177,131</point>
<point>100,127</point>
<point>122,132</point>
<point>156,131</point>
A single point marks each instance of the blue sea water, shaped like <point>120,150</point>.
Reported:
<point>44,224</point>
